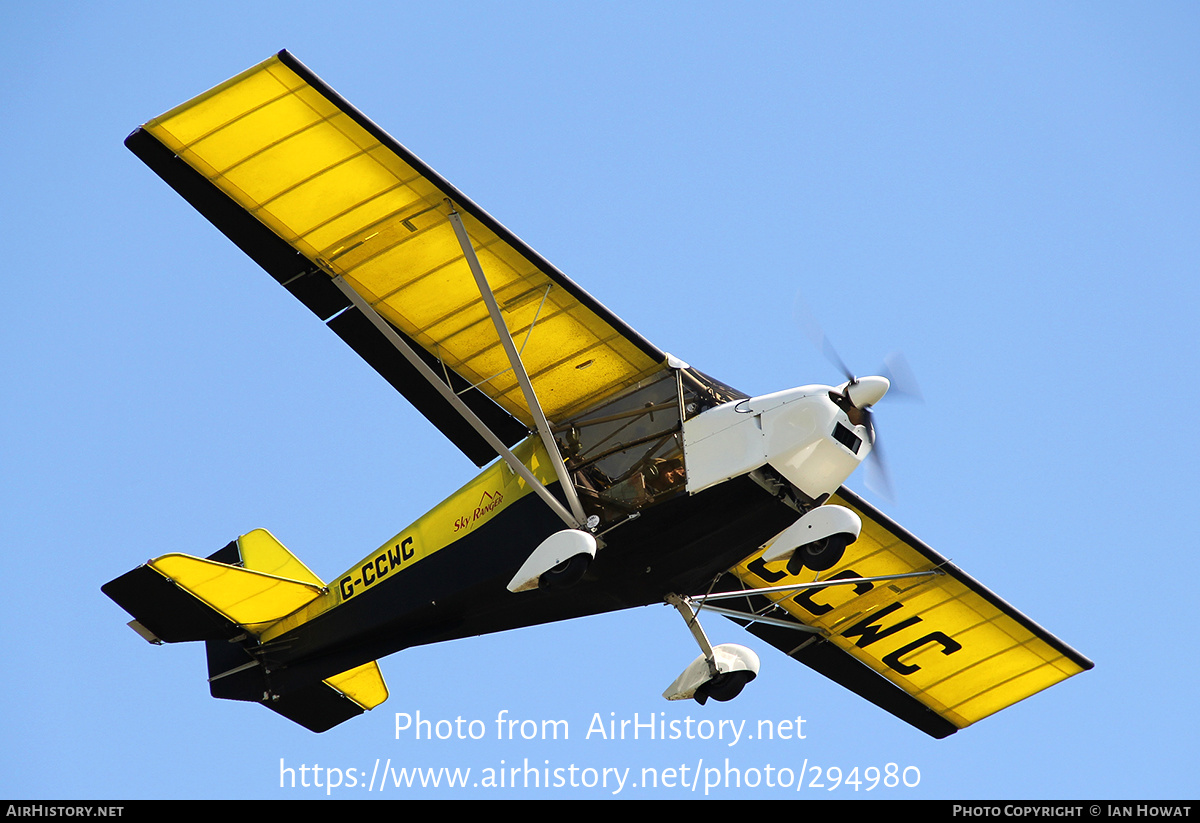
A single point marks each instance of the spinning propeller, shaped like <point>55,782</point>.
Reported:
<point>858,395</point>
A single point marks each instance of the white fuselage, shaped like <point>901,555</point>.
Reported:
<point>793,431</point>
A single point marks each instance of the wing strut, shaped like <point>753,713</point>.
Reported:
<point>514,359</point>
<point>701,602</point>
<point>817,584</point>
<point>454,400</point>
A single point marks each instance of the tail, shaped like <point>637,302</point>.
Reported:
<point>227,601</point>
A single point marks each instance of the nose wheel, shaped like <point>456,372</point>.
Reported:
<point>724,687</point>
<point>720,672</point>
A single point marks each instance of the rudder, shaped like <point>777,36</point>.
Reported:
<point>227,600</point>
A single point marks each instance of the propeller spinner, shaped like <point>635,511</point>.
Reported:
<point>858,394</point>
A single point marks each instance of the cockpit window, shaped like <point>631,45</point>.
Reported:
<point>627,453</point>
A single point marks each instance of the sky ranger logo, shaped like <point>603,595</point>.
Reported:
<point>488,503</point>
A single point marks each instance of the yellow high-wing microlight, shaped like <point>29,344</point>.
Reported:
<point>625,477</point>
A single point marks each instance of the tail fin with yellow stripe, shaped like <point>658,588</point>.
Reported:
<point>228,601</point>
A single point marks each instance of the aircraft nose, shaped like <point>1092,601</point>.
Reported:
<point>868,391</point>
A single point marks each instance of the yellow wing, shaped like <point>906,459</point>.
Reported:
<point>953,647</point>
<point>312,189</point>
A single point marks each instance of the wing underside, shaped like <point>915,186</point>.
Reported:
<point>312,190</point>
<point>938,650</point>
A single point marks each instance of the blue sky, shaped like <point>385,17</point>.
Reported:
<point>1006,192</point>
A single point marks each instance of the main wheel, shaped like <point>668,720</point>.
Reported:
<point>821,555</point>
<point>565,574</point>
<point>724,687</point>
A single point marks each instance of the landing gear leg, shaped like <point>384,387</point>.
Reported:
<point>719,672</point>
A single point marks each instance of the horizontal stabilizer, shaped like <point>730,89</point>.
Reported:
<point>249,584</point>
<point>169,613</point>
<point>170,596</point>
<point>363,684</point>
<point>228,600</point>
<point>323,705</point>
<point>235,674</point>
